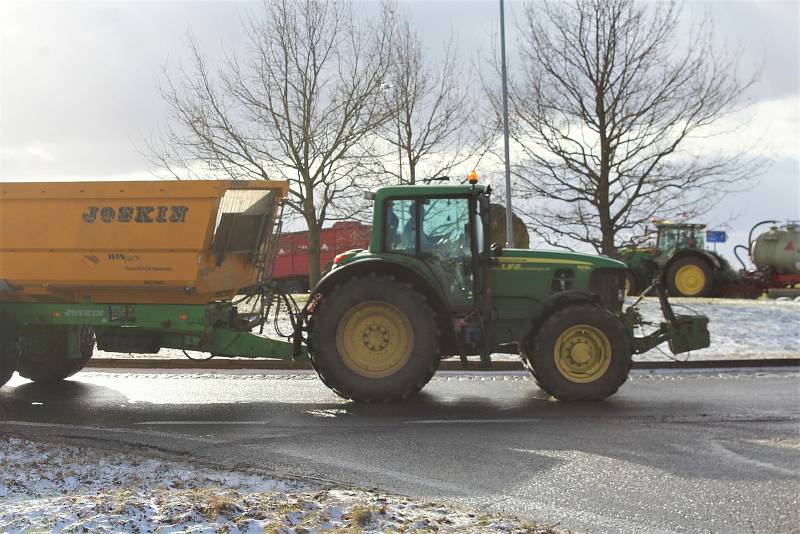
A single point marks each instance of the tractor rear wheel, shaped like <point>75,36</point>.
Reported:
<point>46,361</point>
<point>581,352</point>
<point>8,349</point>
<point>374,339</point>
<point>690,277</point>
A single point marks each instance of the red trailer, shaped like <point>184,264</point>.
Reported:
<point>291,262</point>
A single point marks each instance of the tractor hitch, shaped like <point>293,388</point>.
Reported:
<point>683,333</point>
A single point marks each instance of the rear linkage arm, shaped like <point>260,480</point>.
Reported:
<point>684,333</point>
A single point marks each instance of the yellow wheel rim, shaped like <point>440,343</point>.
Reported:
<point>374,339</point>
<point>582,353</point>
<point>690,280</point>
<point>627,286</point>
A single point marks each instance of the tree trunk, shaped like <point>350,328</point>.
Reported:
<point>313,254</point>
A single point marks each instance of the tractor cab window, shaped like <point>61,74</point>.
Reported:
<point>445,245</point>
<point>401,233</point>
<point>672,238</point>
<point>437,230</point>
<point>445,227</point>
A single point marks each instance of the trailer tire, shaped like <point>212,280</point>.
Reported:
<point>580,353</point>
<point>374,339</point>
<point>48,362</point>
<point>8,349</point>
<point>690,277</point>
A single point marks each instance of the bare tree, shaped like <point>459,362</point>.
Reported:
<point>433,110</point>
<point>608,114</point>
<point>302,103</point>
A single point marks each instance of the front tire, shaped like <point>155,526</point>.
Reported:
<point>374,339</point>
<point>580,353</point>
<point>46,360</point>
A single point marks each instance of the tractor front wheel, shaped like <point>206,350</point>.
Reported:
<point>581,352</point>
<point>690,277</point>
<point>43,357</point>
<point>374,339</point>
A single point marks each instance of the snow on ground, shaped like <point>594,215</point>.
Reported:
<point>65,488</point>
<point>740,329</point>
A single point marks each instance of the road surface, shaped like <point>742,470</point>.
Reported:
<point>673,451</point>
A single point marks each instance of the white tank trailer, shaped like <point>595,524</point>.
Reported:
<point>778,249</point>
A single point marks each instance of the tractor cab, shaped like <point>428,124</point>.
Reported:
<point>441,227</point>
<point>674,237</point>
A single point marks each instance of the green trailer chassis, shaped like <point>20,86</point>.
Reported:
<point>215,328</point>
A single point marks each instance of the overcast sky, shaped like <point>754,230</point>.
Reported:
<point>78,82</point>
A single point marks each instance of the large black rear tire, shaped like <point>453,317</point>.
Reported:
<point>690,277</point>
<point>374,339</point>
<point>580,353</point>
<point>47,361</point>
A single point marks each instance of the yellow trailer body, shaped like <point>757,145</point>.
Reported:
<point>171,242</point>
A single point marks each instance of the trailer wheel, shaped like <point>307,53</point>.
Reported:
<point>8,349</point>
<point>690,277</point>
<point>374,339</point>
<point>581,352</point>
<point>46,360</point>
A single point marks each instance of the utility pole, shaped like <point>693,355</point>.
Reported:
<point>509,213</point>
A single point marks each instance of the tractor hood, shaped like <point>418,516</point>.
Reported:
<point>552,257</point>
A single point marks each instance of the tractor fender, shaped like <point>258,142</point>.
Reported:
<point>709,257</point>
<point>448,341</point>
<point>554,302</point>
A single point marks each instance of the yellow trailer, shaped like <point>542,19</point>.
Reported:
<point>156,242</point>
<point>136,266</point>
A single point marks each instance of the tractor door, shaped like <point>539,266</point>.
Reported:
<point>439,232</point>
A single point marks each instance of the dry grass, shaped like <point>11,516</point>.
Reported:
<point>361,514</point>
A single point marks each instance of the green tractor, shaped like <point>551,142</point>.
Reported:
<point>679,260</point>
<point>432,286</point>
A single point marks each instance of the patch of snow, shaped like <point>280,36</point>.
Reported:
<point>65,488</point>
<point>740,329</point>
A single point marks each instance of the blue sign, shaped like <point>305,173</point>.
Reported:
<point>716,236</point>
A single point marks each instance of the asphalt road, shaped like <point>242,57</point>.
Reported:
<point>673,451</point>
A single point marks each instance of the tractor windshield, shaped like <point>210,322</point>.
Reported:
<point>672,238</point>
